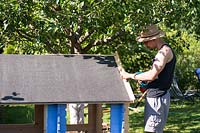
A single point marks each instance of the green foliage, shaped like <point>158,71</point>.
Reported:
<point>187,51</point>
<point>17,114</point>
<point>188,61</point>
<point>62,25</point>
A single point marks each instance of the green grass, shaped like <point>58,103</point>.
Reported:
<point>16,114</point>
<point>183,118</point>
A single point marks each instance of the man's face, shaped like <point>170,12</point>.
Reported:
<point>149,44</point>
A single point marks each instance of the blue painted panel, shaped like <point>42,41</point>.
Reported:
<point>56,118</point>
<point>51,119</point>
<point>61,125</point>
<point>117,118</point>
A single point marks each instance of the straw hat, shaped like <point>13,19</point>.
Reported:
<point>150,33</point>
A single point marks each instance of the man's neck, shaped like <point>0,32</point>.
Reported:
<point>159,43</point>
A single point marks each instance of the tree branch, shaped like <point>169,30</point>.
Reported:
<point>103,41</point>
<point>83,38</point>
<point>25,35</point>
<point>68,32</point>
<point>49,47</point>
<point>79,29</point>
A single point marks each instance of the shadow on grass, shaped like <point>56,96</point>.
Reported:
<point>182,118</point>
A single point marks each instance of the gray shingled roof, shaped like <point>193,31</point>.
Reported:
<point>35,79</point>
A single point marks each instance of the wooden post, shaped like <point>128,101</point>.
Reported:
<point>39,117</point>
<point>99,120</point>
<point>95,118</point>
<point>55,118</point>
<point>117,118</point>
<point>126,117</point>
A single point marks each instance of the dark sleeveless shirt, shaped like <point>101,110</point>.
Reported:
<point>160,85</point>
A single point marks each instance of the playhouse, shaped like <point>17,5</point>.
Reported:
<point>52,81</point>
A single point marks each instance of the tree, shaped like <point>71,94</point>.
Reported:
<point>61,26</point>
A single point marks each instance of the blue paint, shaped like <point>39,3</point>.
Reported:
<point>117,118</point>
<point>56,118</point>
<point>61,113</point>
<point>51,119</point>
<point>197,71</point>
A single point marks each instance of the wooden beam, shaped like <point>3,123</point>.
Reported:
<point>126,117</point>
<point>95,118</point>
<point>77,127</point>
<point>126,83</point>
<point>19,128</point>
<point>99,120</point>
<point>39,116</point>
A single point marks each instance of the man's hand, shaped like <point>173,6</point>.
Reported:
<point>124,74</point>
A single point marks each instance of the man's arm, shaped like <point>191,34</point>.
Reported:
<point>163,56</point>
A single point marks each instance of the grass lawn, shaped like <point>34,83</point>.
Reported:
<point>16,114</point>
<point>183,118</point>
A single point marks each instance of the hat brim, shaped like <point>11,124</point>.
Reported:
<point>144,39</point>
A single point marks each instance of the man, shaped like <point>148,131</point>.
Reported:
<point>159,79</point>
<point>76,111</point>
